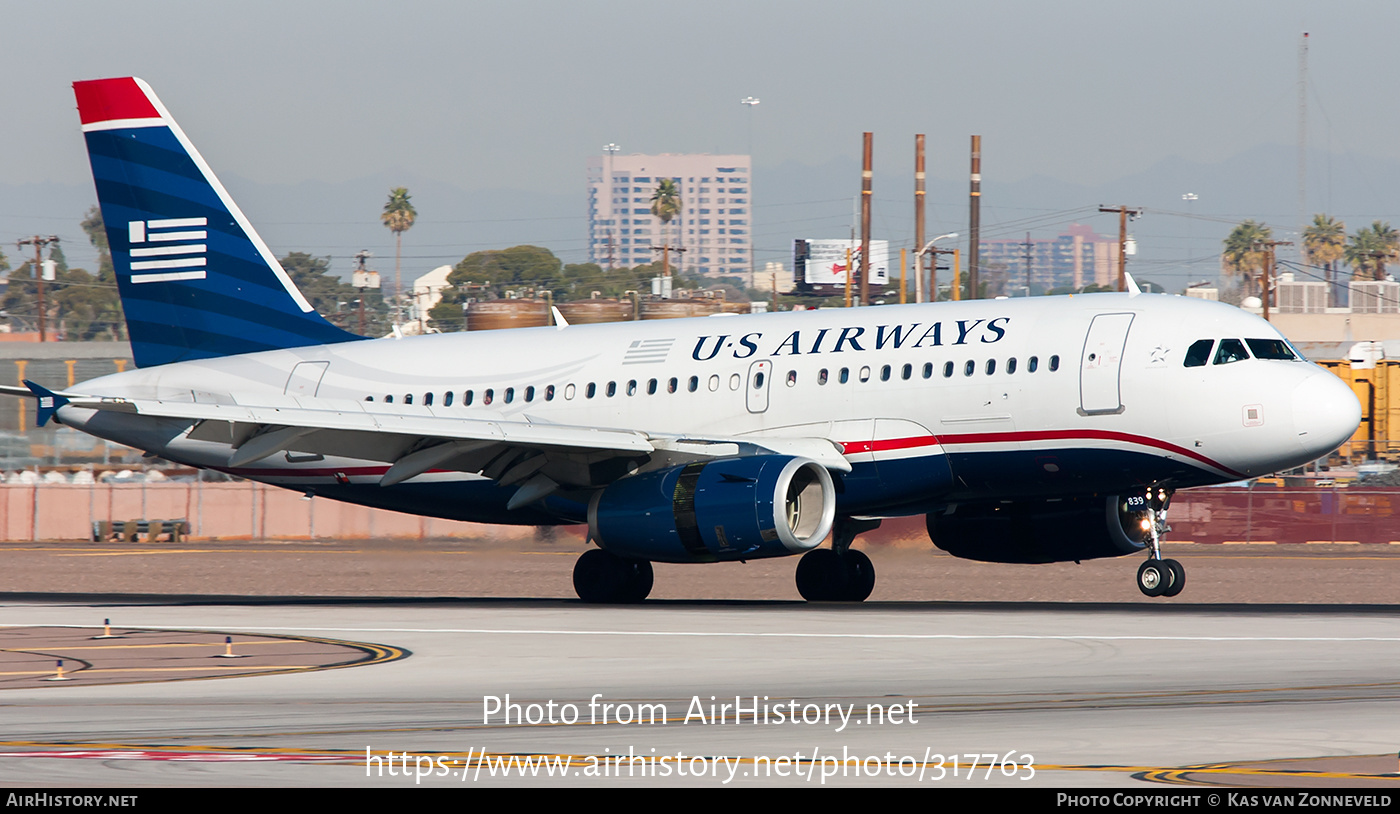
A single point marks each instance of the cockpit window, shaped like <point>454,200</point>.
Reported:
<point>1270,349</point>
<point>1231,350</point>
<point>1199,352</point>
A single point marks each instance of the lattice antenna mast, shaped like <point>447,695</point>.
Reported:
<point>1302,137</point>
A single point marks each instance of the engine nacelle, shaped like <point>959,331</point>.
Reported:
<point>716,510</point>
<point>1044,531</point>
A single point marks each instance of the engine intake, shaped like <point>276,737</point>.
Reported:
<point>716,510</point>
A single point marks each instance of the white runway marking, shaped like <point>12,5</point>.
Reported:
<point>755,635</point>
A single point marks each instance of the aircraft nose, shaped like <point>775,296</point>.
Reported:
<point>1325,413</point>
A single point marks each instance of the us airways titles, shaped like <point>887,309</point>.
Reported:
<point>856,337</point>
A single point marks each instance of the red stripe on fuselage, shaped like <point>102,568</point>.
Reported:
<point>888,444</point>
<point>103,100</point>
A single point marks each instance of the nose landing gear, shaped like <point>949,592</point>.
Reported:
<point>1156,576</point>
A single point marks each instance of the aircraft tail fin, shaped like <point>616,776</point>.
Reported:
<point>196,281</point>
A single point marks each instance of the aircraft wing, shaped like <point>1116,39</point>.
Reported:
<point>414,439</point>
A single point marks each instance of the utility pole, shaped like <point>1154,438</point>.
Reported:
<point>865,176</point>
<point>1266,288</point>
<point>1123,214</point>
<point>39,242</point>
<point>919,194</point>
<point>666,248</point>
<point>974,217</point>
<point>363,279</point>
<point>1028,246</point>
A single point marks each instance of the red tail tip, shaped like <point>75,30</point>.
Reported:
<point>102,100</point>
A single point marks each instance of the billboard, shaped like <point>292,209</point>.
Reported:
<point>823,262</point>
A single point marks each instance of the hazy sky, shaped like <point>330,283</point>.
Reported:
<point>486,95</point>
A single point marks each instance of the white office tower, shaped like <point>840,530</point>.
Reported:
<point>715,224</point>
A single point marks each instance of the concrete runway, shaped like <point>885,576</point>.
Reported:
<point>1094,695</point>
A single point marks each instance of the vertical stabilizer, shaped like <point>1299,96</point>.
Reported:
<point>195,279</point>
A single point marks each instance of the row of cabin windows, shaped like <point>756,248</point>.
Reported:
<point>590,390</point>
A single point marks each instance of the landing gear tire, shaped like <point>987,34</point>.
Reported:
<point>1154,577</point>
<point>603,577</point>
<point>1178,577</point>
<point>861,576</point>
<point>824,575</point>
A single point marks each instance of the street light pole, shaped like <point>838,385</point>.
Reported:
<point>933,280</point>
<point>751,102</point>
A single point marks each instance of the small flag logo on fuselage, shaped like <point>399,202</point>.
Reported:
<point>174,254</point>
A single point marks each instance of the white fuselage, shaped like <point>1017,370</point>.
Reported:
<point>1041,391</point>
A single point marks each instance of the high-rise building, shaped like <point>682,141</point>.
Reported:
<point>1076,258</point>
<point>715,225</point>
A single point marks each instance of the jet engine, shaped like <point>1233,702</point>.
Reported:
<point>1044,531</point>
<point>716,510</point>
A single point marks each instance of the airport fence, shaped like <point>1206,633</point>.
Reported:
<point>216,510</point>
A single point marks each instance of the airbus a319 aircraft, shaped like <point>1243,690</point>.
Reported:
<point>1029,430</point>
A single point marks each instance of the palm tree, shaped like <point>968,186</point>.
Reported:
<point>1324,243</point>
<point>1370,248</point>
<point>1243,255</point>
<point>399,216</point>
<point>665,205</point>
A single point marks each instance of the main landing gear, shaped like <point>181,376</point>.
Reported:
<point>839,573</point>
<point>1156,576</point>
<point>603,577</point>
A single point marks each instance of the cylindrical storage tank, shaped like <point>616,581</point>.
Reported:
<point>490,315</point>
<point>677,309</point>
<point>588,312</point>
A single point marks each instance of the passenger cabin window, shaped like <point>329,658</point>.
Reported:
<point>369,398</point>
<point>467,398</point>
<point>1032,363</point>
<point>791,378</point>
<point>1054,363</point>
<point>549,393</point>
<point>821,376</point>
<point>845,375</point>
<point>389,399</point>
<point>1231,350</point>
<point>991,366</point>
<point>969,368</point>
<point>530,393</point>
<point>591,390</point>
<point>1011,365</point>
<point>408,399</point>
<point>1199,353</point>
<point>510,394</point>
<point>928,370</point>
<point>906,371</point>
<point>427,399</point>
<point>1270,349</point>
<point>447,398</point>
<point>488,396</point>
<point>947,370</point>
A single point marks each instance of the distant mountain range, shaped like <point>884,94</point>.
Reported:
<point>791,201</point>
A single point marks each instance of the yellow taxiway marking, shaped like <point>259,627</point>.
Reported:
<point>139,646</point>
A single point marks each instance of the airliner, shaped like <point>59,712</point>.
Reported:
<point>1028,430</point>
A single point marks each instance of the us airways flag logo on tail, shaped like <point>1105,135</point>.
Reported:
<point>195,279</point>
<point>167,235</point>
